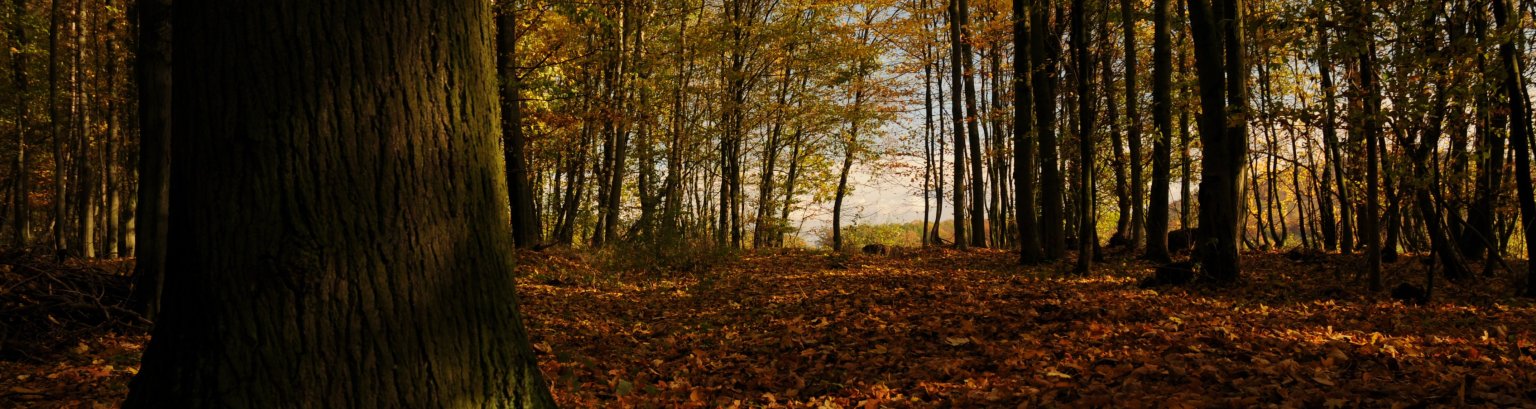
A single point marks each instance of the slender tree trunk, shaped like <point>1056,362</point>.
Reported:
<point>1117,154</point>
<point>1394,206</point>
<point>1367,86</point>
<point>55,123</point>
<point>1332,238</point>
<point>525,225</point>
<point>790,179</point>
<point>1162,118</point>
<point>1334,151</point>
<point>1133,124</point>
<point>21,207</point>
<point>842,190</point>
<point>1439,239</point>
<point>1481,235</point>
<point>999,218</point>
<point>1086,112</point>
<point>850,148</point>
<point>928,166</point>
<point>771,148</point>
<point>1519,131</point>
<point>1043,51</point>
<point>1023,145</point>
<point>111,146</point>
<point>1186,198</point>
<point>978,208</point>
<point>939,138</point>
<point>958,55</point>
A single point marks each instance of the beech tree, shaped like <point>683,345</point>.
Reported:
<point>328,242</point>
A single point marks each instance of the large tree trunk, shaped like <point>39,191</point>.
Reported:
<point>1223,131</point>
<point>154,74</point>
<point>1023,146</point>
<point>329,240</point>
<point>525,225</point>
<point>1162,117</point>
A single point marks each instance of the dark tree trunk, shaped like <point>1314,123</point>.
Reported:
<point>1043,52</point>
<point>958,55</point>
<point>978,208</point>
<point>55,127</point>
<point>1372,104</point>
<point>525,225</point>
<point>154,74</point>
<point>1336,233</point>
<point>1186,198</point>
<point>21,207</point>
<point>1519,132</point>
<point>1023,146</point>
<point>850,147</point>
<point>837,201</point>
<point>1117,155</point>
<point>1439,239</point>
<point>939,137</point>
<point>280,294</point>
<point>1480,238</point>
<point>928,133</point>
<point>1223,131</point>
<point>1085,116</point>
<point>1162,117</point>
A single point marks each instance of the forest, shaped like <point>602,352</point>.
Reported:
<point>767,203</point>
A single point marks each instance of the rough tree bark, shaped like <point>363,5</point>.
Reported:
<point>332,182</point>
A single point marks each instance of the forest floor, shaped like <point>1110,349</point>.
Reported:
<point>940,328</point>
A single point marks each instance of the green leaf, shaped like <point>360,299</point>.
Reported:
<point>623,388</point>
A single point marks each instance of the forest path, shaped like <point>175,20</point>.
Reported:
<point>945,328</point>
